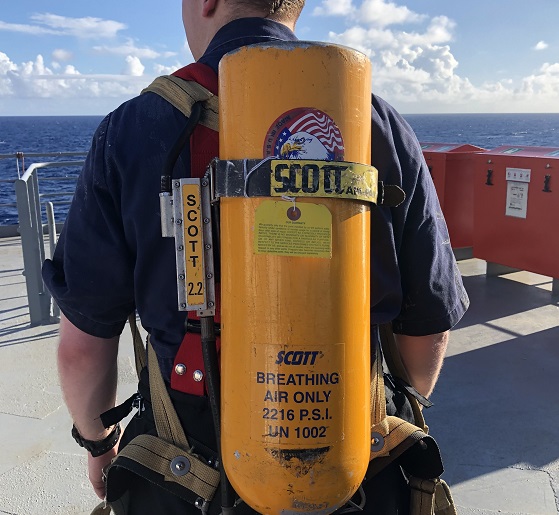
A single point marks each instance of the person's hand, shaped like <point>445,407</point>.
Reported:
<point>95,467</point>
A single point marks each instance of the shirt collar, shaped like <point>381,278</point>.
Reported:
<point>242,32</point>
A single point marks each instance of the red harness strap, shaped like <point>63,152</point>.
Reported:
<point>204,146</point>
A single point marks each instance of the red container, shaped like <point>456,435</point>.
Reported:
<point>516,214</point>
<point>452,169</point>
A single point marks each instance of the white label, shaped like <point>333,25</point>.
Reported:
<point>518,174</point>
<point>517,199</point>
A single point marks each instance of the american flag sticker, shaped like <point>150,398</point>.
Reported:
<point>305,133</point>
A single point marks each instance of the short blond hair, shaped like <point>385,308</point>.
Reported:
<point>281,10</point>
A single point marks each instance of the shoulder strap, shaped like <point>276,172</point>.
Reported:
<point>193,83</point>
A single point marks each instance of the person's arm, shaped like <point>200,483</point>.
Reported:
<point>87,366</point>
<point>423,359</point>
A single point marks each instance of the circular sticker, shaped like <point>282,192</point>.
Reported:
<point>304,133</point>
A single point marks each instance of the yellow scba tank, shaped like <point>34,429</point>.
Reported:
<point>295,356</point>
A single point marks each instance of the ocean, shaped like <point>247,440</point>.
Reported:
<point>74,133</point>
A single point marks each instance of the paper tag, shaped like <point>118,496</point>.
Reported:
<point>293,229</point>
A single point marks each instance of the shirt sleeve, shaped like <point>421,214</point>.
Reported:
<point>433,296</point>
<point>91,273</point>
<point>420,285</point>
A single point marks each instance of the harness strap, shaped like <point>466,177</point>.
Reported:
<point>167,456</point>
<point>166,419</point>
<point>431,497</point>
<point>183,94</point>
<point>163,458</point>
<point>444,503</point>
<point>140,357</point>
<point>193,83</point>
<point>387,432</point>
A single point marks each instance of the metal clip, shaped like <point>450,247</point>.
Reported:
<point>202,505</point>
<point>138,403</point>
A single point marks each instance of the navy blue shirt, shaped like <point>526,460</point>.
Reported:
<point>111,258</point>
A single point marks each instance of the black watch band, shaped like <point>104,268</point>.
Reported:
<point>99,447</point>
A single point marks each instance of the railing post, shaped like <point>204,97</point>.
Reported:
<point>31,231</point>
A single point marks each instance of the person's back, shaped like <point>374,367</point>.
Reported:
<point>111,258</point>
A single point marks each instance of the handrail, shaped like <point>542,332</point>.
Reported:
<point>18,155</point>
<point>50,164</point>
<point>42,309</point>
<point>22,155</point>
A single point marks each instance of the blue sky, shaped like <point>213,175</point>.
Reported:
<point>429,56</point>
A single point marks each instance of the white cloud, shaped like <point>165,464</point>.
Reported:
<point>53,24</point>
<point>6,68</point>
<point>87,27</point>
<point>33,80</point>
<point>71,70</point>
<point>414,66</point>
<point>382,13</point>
<point>334,8</point>
<point>60,54</point>
<point>160,69</point>
<point>134,66</point>
<point>129,48</point>
<point>34,30</point>
<point>6,65</point>
<point>417,71</point>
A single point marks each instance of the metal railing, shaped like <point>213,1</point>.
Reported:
<point>29,202</point>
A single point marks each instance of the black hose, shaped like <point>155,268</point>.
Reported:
<point>213,383</point>
<point>178,146</point>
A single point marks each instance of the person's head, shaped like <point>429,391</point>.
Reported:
<point>203,18</point>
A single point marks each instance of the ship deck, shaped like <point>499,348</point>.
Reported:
<point>496,413</point>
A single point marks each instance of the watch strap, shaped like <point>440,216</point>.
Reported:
<point>98,447</point>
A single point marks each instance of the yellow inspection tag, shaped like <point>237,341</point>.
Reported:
<point>293,229</point>
<point>333,179</point>
<point>193,245</point>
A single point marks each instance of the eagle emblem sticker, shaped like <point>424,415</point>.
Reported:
<point>304,133</point>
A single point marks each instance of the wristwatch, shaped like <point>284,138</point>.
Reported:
<point>98,447</point>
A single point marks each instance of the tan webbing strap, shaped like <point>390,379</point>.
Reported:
<point>430,497</point>
<point>444,503</point>
<point>422,500</point>
<point>166,419</point>
<point>393,430</point>
<point>378,402</point>
<point>139,349</point>
<point>183,94</point>
<point>157,455</point>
